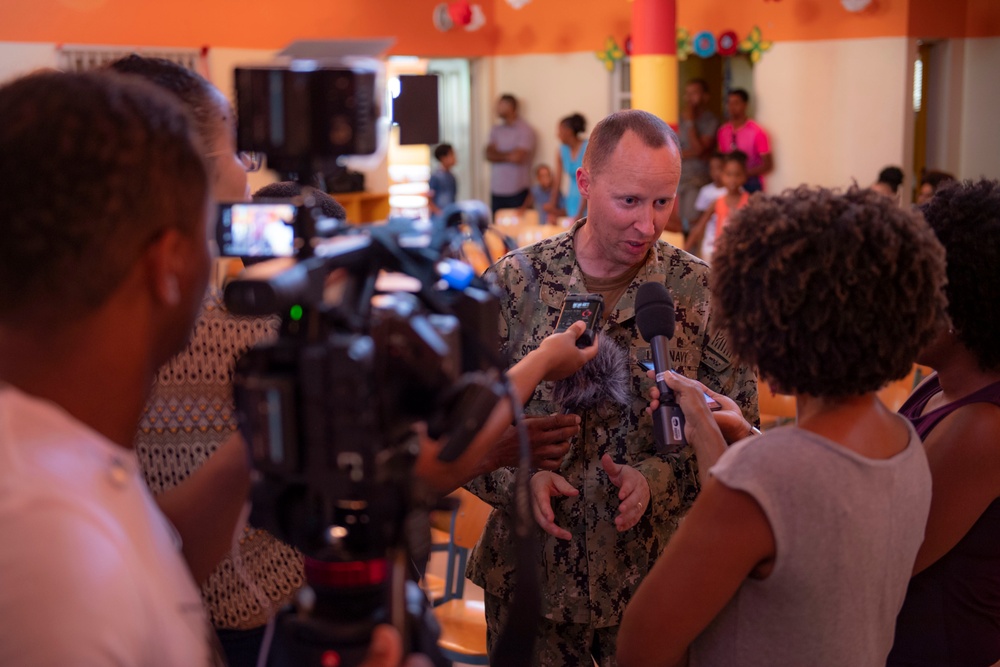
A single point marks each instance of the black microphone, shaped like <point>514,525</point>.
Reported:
<point>654,316</point>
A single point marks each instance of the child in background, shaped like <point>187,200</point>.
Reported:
<point>540,194</point>
<point>443,186</point>
<point>707,196</point>
<point>734,175</point>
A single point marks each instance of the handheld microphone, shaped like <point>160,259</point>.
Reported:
<point>654,316</point>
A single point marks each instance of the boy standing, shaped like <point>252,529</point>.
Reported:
<point>706,200</point>
<point>735,197</point>
<point>443,186</point>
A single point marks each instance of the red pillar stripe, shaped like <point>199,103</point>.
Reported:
<point>654,27</point>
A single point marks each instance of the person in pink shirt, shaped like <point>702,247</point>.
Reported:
<point>742,134</point>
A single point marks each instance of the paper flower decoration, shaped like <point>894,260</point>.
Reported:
<point>684,47</point>
<point>728,41</point>
<point>458,14</point>
<point>704,44</point>
<point>754,45</point>
<point>611,54</point>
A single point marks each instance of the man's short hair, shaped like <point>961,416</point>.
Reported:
<point>604,139</point>
<point>701,83</point>
<point>94,167</point>
<point>329,206</point>
<point>197,94</point>
<point>828,294</point>
<point>510,99</point>
<point>442,151</point>
<point>742,94</point>
<point>966,219</point>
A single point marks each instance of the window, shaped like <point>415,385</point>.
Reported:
<point>621,85</point>
<point>83,58</point>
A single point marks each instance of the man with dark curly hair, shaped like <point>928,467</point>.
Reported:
<point>103,264</point>
<point>609,501</point>
<point>799,548</point>
<point>952,611</point>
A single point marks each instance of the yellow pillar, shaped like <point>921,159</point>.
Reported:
<point>654,58</point>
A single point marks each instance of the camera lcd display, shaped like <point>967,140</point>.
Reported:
<point>259,229</point>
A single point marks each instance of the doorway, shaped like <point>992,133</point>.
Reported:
<point>410,166</point>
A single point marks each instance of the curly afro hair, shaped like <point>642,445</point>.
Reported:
<point>828,294</point>
<point>966,219</point>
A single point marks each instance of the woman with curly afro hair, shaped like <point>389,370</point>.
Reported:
<point>951,615</point>
<point>799,549</point>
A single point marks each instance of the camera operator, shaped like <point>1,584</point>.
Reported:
<point>104,263</point>
<point>188,448</point>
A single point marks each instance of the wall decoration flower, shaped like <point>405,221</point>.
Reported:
<point>704,44</point>
<point>754,44</point>
<point>728,43</point>
<point>684,46</point>
<point>611,54</point>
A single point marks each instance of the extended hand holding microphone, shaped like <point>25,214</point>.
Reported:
<point>655,319</point>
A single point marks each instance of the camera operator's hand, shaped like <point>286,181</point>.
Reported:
<point>729,418</point>
<point>544,486</point>
<point>560,354</point>
<point>386,650</point>
<point>549,437</point>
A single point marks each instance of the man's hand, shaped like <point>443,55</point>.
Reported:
<point>633,492</point>
<point>544,486</point>
<point>386,650</point>
<point>549,438</point>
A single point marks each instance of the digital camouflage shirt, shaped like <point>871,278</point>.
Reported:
<point>590,578</point>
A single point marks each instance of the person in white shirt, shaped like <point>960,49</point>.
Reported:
<point>707,196</point>
<point>103,261</point>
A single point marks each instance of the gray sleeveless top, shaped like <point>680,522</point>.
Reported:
<point>847,530</point>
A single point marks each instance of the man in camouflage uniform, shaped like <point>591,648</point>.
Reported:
<point>615,501</point>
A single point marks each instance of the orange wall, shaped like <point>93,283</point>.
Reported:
<point>542,26</point>
<point>545,26</point>
<point>265,24</point>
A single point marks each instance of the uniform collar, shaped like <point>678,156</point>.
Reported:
<point>552,293</point>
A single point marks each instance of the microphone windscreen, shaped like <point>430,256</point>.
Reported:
<point>604,380</point>
<point>654,311</point>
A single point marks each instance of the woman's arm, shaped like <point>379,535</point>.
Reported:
<point>556,358</point>
<point>697,232</point>
<point>965,472</point>
<point>205,508</point>
<point>556,181</point>
<point>720,543</point>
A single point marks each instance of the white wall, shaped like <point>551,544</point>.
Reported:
<point>549,88</point>
<point>17,58</point>
<point>980,155</point>
<point>835,110</point>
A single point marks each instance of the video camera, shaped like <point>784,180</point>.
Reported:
<point>329,408</point>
